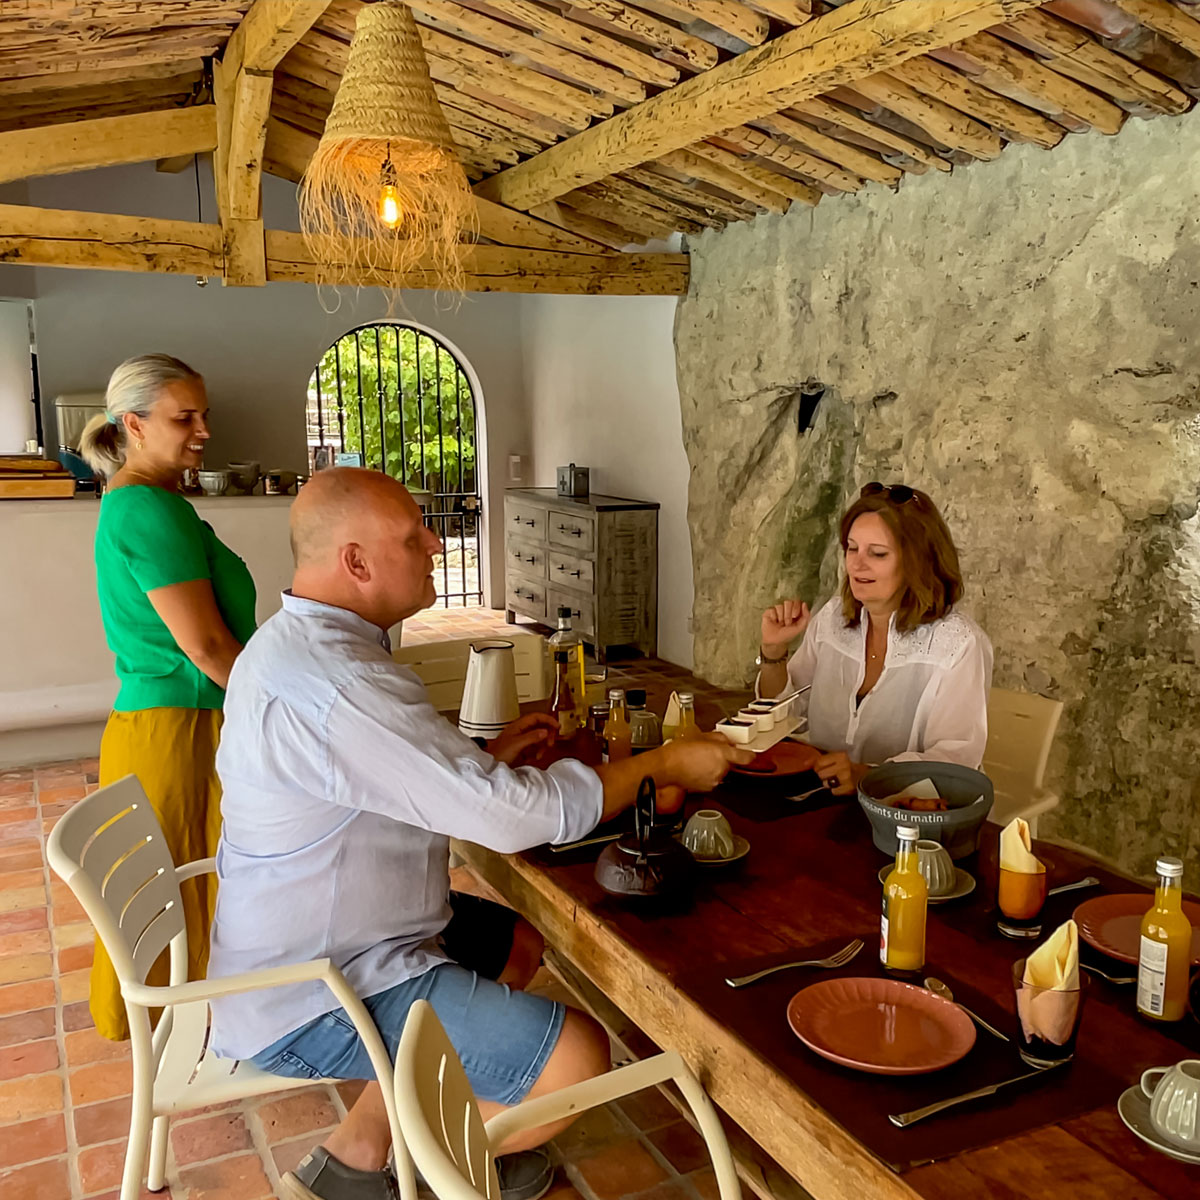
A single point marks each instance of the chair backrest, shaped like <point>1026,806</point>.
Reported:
<point>110,851</point>
<point>438,1115</point>
<point>1021,728</point>
<point>442,668</point>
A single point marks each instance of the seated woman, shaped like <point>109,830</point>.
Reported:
<point>896,673</point>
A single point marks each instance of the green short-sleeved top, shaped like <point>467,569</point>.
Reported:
<point>149,538</point>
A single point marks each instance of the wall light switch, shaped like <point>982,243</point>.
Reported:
<point>516,468</point>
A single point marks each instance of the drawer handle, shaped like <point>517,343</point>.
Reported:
<point>575,573</point>
<point>530,559</point>
<point>531,524</point>
<point>574,532</point>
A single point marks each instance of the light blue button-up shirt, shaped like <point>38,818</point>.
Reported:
<point>342,787</point>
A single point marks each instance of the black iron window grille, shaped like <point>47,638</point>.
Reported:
<point>396,399</point>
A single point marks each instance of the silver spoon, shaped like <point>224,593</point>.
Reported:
<point>1090,881</point>
<point>938,988</point>
<point>1106,975</point>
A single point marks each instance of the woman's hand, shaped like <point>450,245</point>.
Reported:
<point>839,774</point>
<point>782,624</point>
<point>524,739</point>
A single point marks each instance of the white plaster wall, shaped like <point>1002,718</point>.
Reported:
<point>600,391</point>
<point>17,422</point>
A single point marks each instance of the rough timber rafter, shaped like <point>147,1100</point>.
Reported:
<point>105,141</point>
<point>862,38</point>
<point>105,241</point>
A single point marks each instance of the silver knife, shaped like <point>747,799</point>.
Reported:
<point>903,1120</point>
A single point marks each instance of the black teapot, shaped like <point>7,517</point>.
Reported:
<point>648,862</point>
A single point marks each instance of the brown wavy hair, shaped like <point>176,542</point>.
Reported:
<point>932,577</point>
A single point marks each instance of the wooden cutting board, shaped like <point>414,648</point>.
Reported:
<point>60,487</point>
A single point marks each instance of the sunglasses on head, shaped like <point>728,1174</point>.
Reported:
<point>897,493</point>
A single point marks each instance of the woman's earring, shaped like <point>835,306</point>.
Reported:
<point>141,445</point>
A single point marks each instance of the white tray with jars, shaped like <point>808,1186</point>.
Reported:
<point>764,723</point>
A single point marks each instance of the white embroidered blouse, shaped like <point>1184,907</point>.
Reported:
<point>930,702</point>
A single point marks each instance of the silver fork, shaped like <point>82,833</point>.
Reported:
<point>840,959</point>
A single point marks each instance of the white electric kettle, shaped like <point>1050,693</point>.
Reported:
<point>490,693</point>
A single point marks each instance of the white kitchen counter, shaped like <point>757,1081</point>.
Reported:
<point>56,672</point>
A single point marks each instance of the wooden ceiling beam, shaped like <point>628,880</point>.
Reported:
<point>840,117</point>
<point>687,193</point>
<point>754,141</point>
<point>108,78</point>
<point>719,174</point>
<point>682,48</point>
<point>106,241</point>
<point>1005,66</point>
<point>860,162</point>
<point>268,31</point>
<point>861,38</point>
<point>106,141</point>
<point>1173,23</point>
<point>446,16</point>
<point>574,221</point>
<point>732,18</point>
<point>248,136</point>
<point>787,12</point>
<point>1016,122</point>
<point>944,124</point>
<point>765,180</point>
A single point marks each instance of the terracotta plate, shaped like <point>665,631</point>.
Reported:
<point>784,758</point>
<point>880,1025</point>
<point>1113,924</point>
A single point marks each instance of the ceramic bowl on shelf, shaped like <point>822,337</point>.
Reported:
<point>244,475</point>
<point>214,483</point>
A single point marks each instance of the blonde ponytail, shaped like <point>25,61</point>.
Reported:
<point>134,387</point>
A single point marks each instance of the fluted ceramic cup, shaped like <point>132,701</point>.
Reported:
<point>1175,1102</point>
<point>936,865</point>
<point>707,835</point>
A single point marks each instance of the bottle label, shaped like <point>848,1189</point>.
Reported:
<point>1152,977</point>
<point>883,932</point>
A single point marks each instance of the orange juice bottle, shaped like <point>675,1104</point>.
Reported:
<point>1166,948</point>
<point>686,726</point>
<point>618,736</point>
<point>905,898</point>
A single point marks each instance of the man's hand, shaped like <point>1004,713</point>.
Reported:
<point>523,741</point>
<point>698,764</point>
<point>839,773</point>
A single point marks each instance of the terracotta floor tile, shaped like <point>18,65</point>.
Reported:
<point>619,1170</point>
<point>101,1166</point>
<point>209,1137</point>
<point>74,986</point>
<point>10,816</point>
<point>672,1189</point>
<point>681,1146</point>
<point>349,1090</point>
<point>240,1178</point>
<point>590,1133</point>
<point>301,1112</point>
<point>101,1081</point>
<point>23,1099</point>
<point>79,934</point>
<point>22,997</point>
<point>17,899</point>
<point>42,1181</point>
<point>562,1189</point>
<point>705,1182</point>
<point>18,968</point>
<point>288,1155</point>
<point>60,795</point>
<point>26,1027</point>
<point>87,1046</point>
<point>67,912</point>
<point>145,1194</point>
<point>25,919</point>
<point>29,1058</point>
<point>28,878</point>
<point>649,1109</point>
<point>43,1137</point>
<point>32,941</point>
<point>20,860</point>
<point>77,1016</point>
<point>76,958</point>
<point>102,1122</point>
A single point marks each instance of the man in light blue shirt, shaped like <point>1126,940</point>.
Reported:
<point>342,787</point>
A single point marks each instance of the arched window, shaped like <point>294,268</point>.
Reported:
<point>394,398</point>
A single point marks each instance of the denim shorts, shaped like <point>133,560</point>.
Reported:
<point>503,1037</point>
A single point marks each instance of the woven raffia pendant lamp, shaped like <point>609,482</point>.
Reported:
<point>385,188</point>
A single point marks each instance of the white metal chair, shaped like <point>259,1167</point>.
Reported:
<point>1021,728</point>
<point>455,1151</point>
<point>442,667</point>
<point>110,851</point>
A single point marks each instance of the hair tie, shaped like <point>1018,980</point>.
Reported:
<point>112,420</point>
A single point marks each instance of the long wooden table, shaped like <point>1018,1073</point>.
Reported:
<point>811,877</point>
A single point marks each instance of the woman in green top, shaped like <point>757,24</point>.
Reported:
<point>177,605</point>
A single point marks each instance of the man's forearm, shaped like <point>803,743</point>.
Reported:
<point>621,780</point>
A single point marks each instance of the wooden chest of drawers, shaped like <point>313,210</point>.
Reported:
<point>598,556</point>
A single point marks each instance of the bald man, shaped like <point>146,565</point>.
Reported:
<point>342,787</point>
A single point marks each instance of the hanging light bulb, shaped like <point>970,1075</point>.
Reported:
<point>389,195</point>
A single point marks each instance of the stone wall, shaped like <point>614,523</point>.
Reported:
<point>1019,339</point>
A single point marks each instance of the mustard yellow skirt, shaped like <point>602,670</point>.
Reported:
<point>172,751</point>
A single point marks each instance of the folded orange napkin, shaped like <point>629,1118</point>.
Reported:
<point>1048,999</point>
